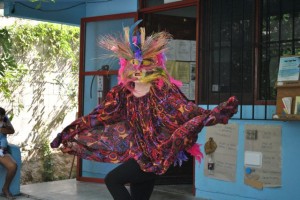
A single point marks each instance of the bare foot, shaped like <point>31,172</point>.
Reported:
<point>7,194</point>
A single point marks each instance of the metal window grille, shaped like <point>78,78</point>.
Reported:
<point>241,42</point>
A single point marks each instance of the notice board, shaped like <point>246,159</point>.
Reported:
<point>262,161</point>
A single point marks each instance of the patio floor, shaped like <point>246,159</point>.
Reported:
<point>72,189</point>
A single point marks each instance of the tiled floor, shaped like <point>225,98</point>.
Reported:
<point>74,190</point>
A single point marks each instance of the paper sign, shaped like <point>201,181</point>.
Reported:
<point>289,69</point>
<point>253,158</point>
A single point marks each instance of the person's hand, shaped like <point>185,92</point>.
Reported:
<point>223,112</point>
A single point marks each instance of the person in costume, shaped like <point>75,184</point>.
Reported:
<point>145,122</point>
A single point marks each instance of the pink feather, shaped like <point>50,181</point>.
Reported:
<point>196,152</point>
<point>176,82</point>
<point>123,63</point>
<point>160,83</point>
<point>161,60</point>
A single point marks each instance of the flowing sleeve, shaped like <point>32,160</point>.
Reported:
<point>110,111</point>
<point>185,137</point>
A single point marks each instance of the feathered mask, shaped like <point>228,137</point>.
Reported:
<point>137,53</point>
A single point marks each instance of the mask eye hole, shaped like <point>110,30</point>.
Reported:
<point>134,62</point>
<point>146,62</point>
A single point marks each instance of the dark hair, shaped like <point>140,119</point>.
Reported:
<point>2,111</point>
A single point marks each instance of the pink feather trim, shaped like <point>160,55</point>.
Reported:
<point>196,152</point>
<point>160,83</point>
<point>161,60</point>
<point>123,63</point>
<point>176,82</point>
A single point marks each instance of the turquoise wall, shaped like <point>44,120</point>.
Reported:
<point>221,190</point>
<point>111,7</point>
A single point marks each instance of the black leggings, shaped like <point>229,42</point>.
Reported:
<point>141,183</point>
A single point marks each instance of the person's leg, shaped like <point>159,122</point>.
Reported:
<point>129,172</point>
<point>115,182</point>
<point>11,166</point>
<point>142,190</point>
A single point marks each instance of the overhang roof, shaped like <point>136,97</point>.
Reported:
<point>65,11</point>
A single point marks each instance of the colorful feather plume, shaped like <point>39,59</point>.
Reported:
<point>134,50</point>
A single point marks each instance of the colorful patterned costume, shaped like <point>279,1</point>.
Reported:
<point>154,129</point>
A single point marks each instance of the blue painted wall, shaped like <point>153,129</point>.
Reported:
<point>111,7</point>
<point>221,190</point>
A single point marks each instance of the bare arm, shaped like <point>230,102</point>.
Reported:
<point>7,130</point>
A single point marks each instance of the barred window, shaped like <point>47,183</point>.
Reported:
<point>241,43</point>
<point>280,36</point>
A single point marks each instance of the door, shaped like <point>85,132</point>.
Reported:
<point>97,75</point>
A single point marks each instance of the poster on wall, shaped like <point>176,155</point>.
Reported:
<point>181,64</point>
<point>289,68</point>
<point>262,158</point>
<point>186,73</point>
<point>221,164</point>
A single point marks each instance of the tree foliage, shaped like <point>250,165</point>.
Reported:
<point>37,49</point>
<point>10,71</point>
<point>39,77</point>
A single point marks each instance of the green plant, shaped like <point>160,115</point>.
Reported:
<point>37,49</point>
<point>48,170</point>
<point>7,61</point>
<point>10,71</point>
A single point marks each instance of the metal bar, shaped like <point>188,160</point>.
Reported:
<point>242,64</point>
<point>220,43</point>
<point>231,25</point>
